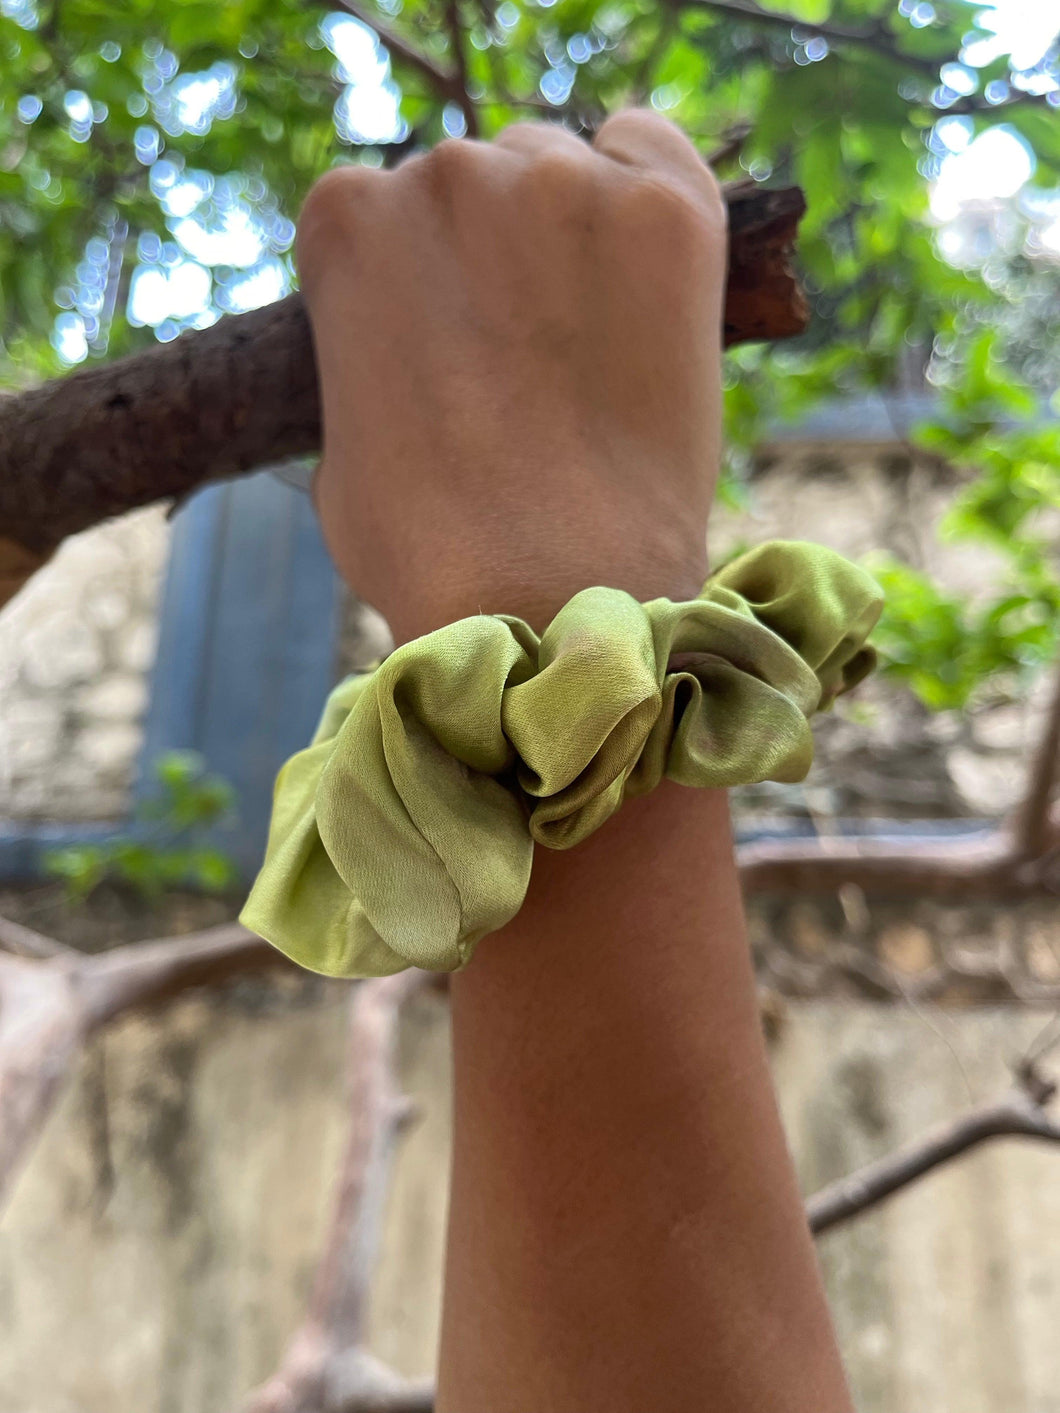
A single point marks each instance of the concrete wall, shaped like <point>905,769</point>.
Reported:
<point>160,1244</point>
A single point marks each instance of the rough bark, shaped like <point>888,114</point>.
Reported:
<point>243,393</point>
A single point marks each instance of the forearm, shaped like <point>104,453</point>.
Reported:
<point>520,346</point>
<point>625,1229</point>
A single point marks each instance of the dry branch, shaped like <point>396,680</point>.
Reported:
<point>243,393</point>
<point>327,1369</point>
<point>49,1008</point>
<point>1019,1114</point>
<point>1019,860</point>
<point>24,942</point>
<point>958,869</point>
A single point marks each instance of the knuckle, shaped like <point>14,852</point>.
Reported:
<point>451,157</point>
<point>680,208</point>
<point>333,207</point>
<point>444,169</point>
<point>556,171</point>
<point>712,199</point>
<point>634,120</point>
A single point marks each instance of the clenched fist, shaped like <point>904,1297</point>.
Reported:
<point>519,347</point>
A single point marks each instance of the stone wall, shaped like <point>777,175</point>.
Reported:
<point>76,646</point>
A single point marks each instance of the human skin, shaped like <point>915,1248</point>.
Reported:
<point>519,348</point>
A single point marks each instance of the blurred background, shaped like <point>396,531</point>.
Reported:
<point>160,1233</point>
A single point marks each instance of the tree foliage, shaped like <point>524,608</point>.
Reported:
<point>173,844</point>
<point>153,159</point>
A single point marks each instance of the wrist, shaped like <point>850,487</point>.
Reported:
<point>533,590</point>
<point>525,560</point>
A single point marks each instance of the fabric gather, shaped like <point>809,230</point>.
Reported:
<point>405,832</point>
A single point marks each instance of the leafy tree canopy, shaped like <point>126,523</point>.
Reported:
<point>153,157</point>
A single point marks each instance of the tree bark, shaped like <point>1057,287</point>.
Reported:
<point>243,393</point>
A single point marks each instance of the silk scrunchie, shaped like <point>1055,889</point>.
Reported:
<point>405,832</point>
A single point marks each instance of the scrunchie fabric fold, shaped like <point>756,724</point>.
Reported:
<point>405,832</point>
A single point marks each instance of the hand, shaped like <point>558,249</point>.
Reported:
<point>519,347</point>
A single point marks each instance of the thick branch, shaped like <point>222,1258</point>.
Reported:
<point>243,393</point>
<point>1017,1115</point>
<point>146,974</point>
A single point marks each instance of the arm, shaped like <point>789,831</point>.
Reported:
<point>520,344</point>
<point>625,1230</point>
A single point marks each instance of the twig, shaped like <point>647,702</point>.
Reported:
<point>1018,1114</point>
<point>669,17</point>
<point>24,942</point>
<point>733,141</point>
<point>457,40</point>
<point>877,38</point>
<point>326,1367</point>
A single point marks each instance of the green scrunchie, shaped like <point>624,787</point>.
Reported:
<point>405,832</point>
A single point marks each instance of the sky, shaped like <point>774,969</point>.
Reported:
<point>218,223</point>
<point>997,163</point>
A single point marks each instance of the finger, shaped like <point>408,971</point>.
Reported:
<point>639,138</point>
<point>540,139</point>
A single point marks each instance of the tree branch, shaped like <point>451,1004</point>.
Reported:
<point>457,40</point>
<point>967,869</point>
<point>446,83</point>
<point>1033,833</point>
<point>24,942</point>
<point>1018,1114</point>
<point>49,1009</point>
<point>878,37</point>
<point>326,1368</point>
<point>243,393</point>
<point>1019,860</point>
